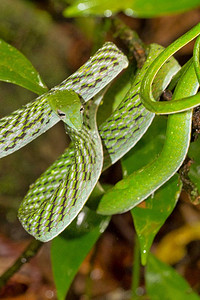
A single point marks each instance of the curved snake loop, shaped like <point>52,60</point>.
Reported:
<point>53,198</point>
<point>27,123</point>
<point>140,184</point>
<point>178,105</point>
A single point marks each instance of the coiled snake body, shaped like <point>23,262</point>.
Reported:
<point>46,217</point>
<point>60,193</point>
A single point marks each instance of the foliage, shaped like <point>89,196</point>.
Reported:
<point>65,249</point>
<point>15,68</point>
<point>160,276</point>
<point>137,8</point>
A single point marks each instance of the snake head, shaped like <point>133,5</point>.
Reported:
<point>68,107</point>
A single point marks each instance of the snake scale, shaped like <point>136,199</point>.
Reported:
<point>55,199</point>
<point>47,217</point>
<point>27,123</point>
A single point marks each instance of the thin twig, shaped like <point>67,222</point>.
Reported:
<point>28,253</point>
<point>188,185</point>
<point>136,269</point>
<point>130,38</point>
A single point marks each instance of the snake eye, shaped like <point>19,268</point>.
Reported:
<point>81,109</point>
<point>61,113</point>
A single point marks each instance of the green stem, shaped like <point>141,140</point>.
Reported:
<point>136,268</point>
<point>28,253</point>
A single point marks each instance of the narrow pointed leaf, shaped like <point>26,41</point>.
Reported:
<point>16,68</point>
<point>151,215</point>
<point>70,248</point>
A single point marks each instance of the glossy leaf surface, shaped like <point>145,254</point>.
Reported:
<point>136,8</point>
<point>96,7</point>
<point>154,8</point>
<point>163,282</point>
<point>16,68</point>
<point>69,249</point>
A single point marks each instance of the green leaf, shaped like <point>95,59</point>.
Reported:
<point>97,193</point>
<point>135,8</point>
<point>163,282</point>
<point>149,218</point>
<point>69,249</point>
<point>155,8</point>
<point>17,69</point>
<point>96,7</point>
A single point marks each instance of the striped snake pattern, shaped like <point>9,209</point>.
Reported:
<point>54,193</point>
<point>47,217</point>
<point>56,198</point>
<point>29,122</point>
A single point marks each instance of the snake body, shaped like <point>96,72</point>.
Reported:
<point>27,123</point>
<point>178,133</point>
<point>127,124</point>
<point>46,218</point>
<point>40,212</point>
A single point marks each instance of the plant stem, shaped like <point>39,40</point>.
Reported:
<point>136,268</point>
<point>28,253</point>
<point>89,282</point>
<point>130,38</point>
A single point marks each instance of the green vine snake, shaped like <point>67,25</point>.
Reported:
<point>118,134</point>
<point>60,193</point>
<point>178,133</point>
<point>27,123</point>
